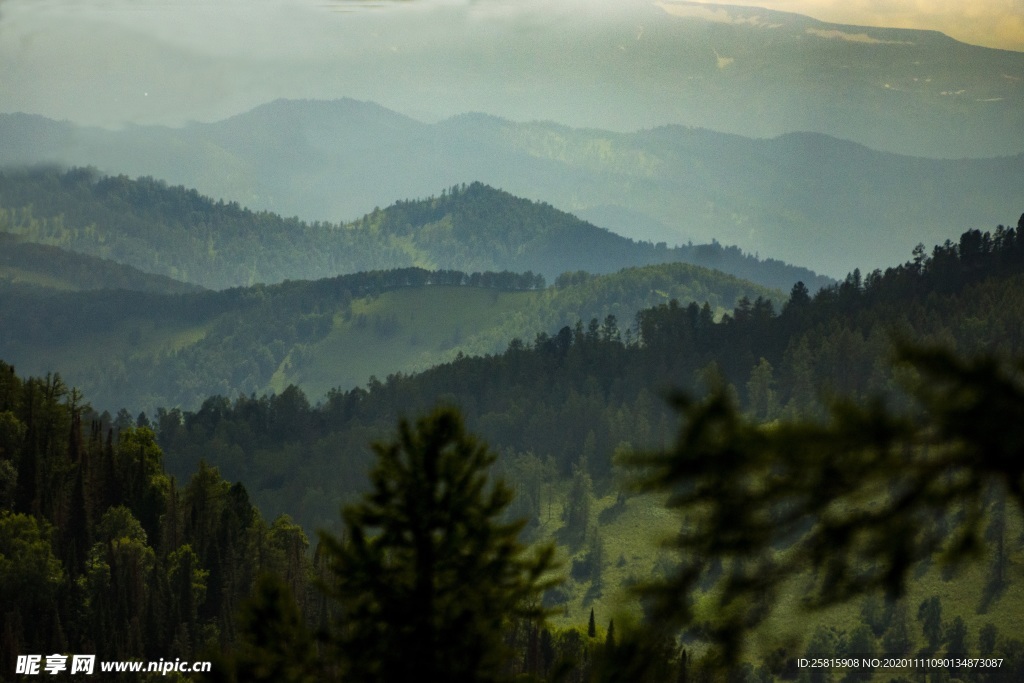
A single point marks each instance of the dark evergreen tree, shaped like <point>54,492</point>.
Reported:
<point>576,513</point>
<point>861,644</point>
<point>899,639</point>
<point>427,574</point>
<point>275,645</point>
<point>956,637</point>
<point>929,613</point>
<point>987,639</point>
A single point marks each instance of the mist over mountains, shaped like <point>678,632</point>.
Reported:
<point>804,198</point>
<point>621,66</point>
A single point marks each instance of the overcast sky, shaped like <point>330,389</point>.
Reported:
<point>110,62</point>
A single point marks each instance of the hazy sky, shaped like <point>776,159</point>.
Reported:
<point>110,62</point>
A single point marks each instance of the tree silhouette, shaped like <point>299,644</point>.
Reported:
<point>854,502</point>
<point>275,645</point>
<point>427,573</point>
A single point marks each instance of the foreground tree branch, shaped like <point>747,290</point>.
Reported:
<point>853,502</point>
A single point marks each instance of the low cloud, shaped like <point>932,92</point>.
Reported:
<point>854,37</point>
<point>720,16</point>
<point>723,62</point>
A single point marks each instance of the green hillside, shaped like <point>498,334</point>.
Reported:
<point>588,389</point>
<point>26,262</point>
<point>564,409</point>
<point>181,234</point>
<point>143,350</point>
<point>565,413</point>
<point>631,534</point>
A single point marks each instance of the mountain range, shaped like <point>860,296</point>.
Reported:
<point>805,198</point>
<point>622,66</point>
<point>181,234</point>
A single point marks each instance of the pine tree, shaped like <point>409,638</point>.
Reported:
<point>428,572</point>
<point>761,391</point>
<point>576,513</point>
<point>929,613</point>
<point>898,639</point>
<point>592,625</point>
<point>275,644</point>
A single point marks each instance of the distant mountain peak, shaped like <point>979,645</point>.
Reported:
<point>307,111</point>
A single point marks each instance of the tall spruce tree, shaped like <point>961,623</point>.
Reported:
<point>427,572</point>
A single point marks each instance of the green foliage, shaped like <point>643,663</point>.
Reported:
<point>957,639</point>
<point>761,391</point>
<point>40,264</point>
<point>426,567</point>
<point>181,234</point>
<point>929,614</point>
<point>275,645</point>
<point>98,551</point>
<point>29,571</point>
<point>899,639</point>
<point>861,643</point>
<point>146,349</point>
<point>119,525</point>
<point>576,513</point>
<point>547,395</point>
<point>857,501</point>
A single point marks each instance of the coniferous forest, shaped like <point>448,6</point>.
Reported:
<point>830,455</point>
<point>546,341</point>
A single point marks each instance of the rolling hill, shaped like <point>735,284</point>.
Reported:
<point>145,350</point>
<point>184,235</point>
<point>27,262</point>
<point>575,398</point>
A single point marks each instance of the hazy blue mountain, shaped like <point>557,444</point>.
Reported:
<point>623,66</point>
<point>805,198</point>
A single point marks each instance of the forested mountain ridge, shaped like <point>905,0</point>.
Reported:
<point>182,234</point>
<point>146,349</point>
<point>40,264</point>
<point>579,395</point>
<point>800,197</point>
<point>104,553</point>
<point>493,230</point>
